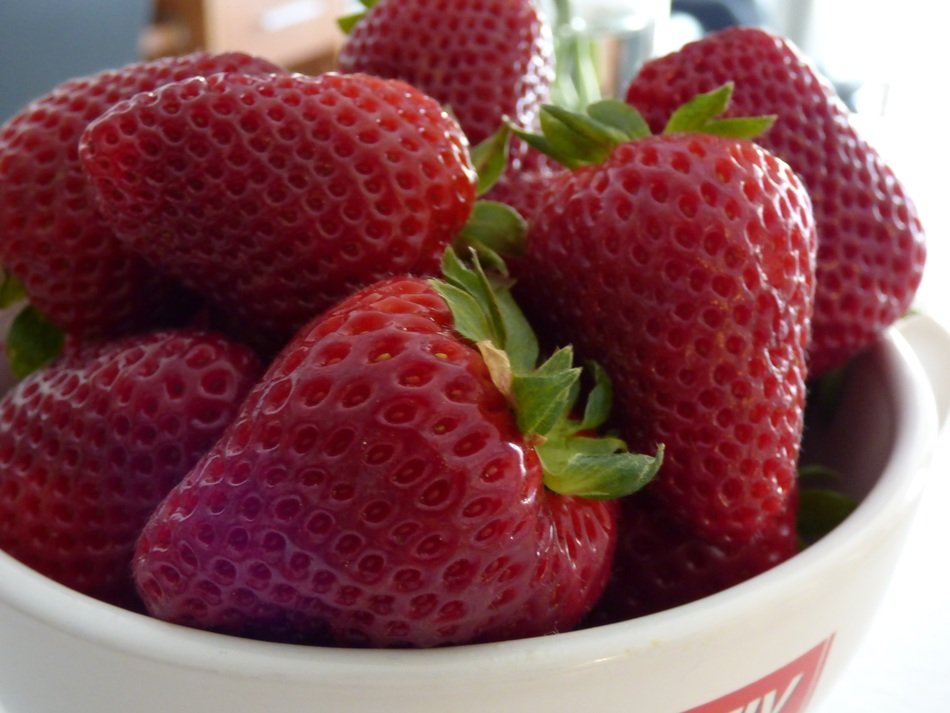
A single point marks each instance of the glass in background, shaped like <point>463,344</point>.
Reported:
<point>600,45</point>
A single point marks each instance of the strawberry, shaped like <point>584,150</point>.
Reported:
<point>52,237</point>
<point>684,264</point>
<point>526,181</point>
<point>275,197</point>
<point>377,488</point>
<point>91,444</point>
<point>485,59</point>
<point>871,249</point>
<point>660,563</point>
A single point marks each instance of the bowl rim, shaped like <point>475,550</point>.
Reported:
<point>142,637</point>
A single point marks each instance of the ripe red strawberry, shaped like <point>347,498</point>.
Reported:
<point>52,237</point>
<point>526,182</point>
<point>92,443</point>
<point>275,197</point>
<point>684,264</point>
<point>376,489</point>
<point>485,59</point>
<point>660,564</point>
<point>870,241</point>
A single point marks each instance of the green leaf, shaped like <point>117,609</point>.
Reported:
<point>740,127</point>
<point>32,342</point>
<point>487,291</point>
<point>567,147</point>
<point>495,231</point>
<point>599,401</point>
<point>816,475</point>
<point>700,110</point>
<point>11,290</point>
<point>543,397</point>
<point>542,144</point>
<point>521,343</point>
<point>347,22</point>
<point>490,158</point>
<point>485,310</point>
<point>591,472</point>
<point>560,142</point>
<point>469,315</point>
<point>577,135</point>
<point>820,511</point>
<point>621,116</point>
<point>824,394</point>
<point>701,114</point>
<point>560,360</point>
<point>587,128</point>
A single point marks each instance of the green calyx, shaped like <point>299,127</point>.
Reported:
<point>490,157</point>
<point>543,397</point>
<point>822,504</point>
<point>32,342</point>
<point>494,230</point>
<point>348,22</point>
<point>577,139</point>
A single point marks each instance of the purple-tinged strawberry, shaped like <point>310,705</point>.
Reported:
<point>92,443</point>
<point>684,264</point>
<point>484,59</point>
<point>403,474</point>
<point>660,563</point>
<point>52,236</point>
<point>871,249</point>
<point>275,197</point>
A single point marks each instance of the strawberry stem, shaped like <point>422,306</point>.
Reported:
<point>576,139</point>
<point>542,396</point>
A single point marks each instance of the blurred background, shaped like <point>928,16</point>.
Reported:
<point>870,49</point>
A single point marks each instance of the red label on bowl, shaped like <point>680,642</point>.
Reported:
<point>786,690</point>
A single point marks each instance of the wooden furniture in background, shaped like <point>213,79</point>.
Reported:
<point>298,34</point>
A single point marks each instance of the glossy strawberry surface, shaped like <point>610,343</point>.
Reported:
<point>684,264</point>
<point>375,490</point>
<point>52,236</point>
<point>871,250</point>
<point>485,59</point>
<point>91,444</point>
<point>275,197</point>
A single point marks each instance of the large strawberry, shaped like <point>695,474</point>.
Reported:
<point>684,264</point>
<point>377,488</point>
<point>52,237</point>
<point>870,242</point>
<point>91,444</point>
<point>275,197</point>
<point>660,563</point>
<point>484,59</point>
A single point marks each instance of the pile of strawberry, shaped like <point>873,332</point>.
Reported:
<point>277,381</point>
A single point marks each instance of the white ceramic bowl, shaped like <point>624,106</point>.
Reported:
<point>779,639</point>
